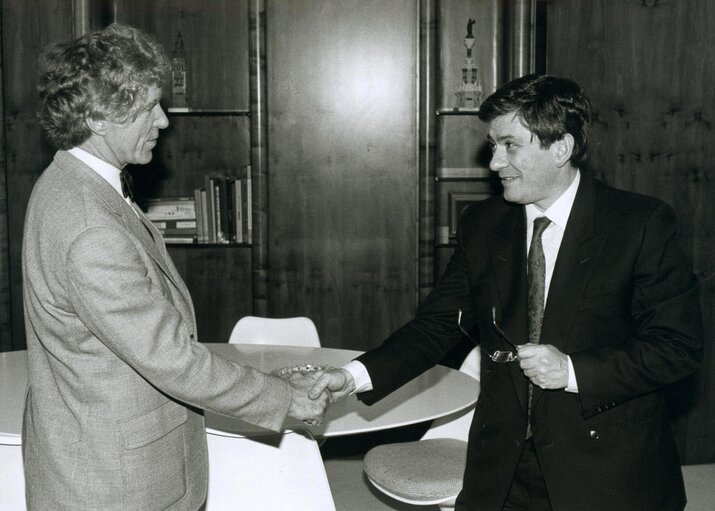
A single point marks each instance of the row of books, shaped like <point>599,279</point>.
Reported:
<point>219,212</point>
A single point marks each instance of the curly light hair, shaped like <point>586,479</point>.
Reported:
<point>102,75</point>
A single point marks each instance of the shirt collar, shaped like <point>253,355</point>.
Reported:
<point>110,173</point>
<point>560,210</point>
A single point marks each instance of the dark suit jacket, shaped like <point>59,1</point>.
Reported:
<point>623,303</point>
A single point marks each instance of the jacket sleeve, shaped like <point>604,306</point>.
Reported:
<point>122,298</point>
<point>422,342</point>
<point>665,324</point>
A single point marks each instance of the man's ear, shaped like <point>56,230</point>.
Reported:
<point>563,149</point>
<point>96,126</point>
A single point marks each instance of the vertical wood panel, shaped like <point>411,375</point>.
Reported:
<point>5,309</point>
<point>26,152</point>
<point>219,280</point>
<point>648,69</point>
<point>342,165</point>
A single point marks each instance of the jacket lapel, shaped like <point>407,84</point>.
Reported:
<point>580,248</point>
<point>507,248</point>
<point>133,219</point>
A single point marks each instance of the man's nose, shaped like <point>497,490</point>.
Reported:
<point>161,121</point>
<point>498,160</point>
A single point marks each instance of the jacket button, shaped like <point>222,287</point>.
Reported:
<point>593,434</point>
<point>191,336</point>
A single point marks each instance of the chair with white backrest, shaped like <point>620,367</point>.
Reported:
<point>12,495</point>
<point>297,331</point>
<point>282,471</point>
<point>430,470</point>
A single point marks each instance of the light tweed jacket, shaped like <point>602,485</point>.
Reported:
<point>117,377</point>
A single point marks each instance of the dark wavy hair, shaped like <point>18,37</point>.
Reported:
<point>549,107</point>
<point>102,75</point>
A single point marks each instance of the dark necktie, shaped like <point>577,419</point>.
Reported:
<point>536,280</point>
<point>127,184</point>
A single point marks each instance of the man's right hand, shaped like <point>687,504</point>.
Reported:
<point>338,383</point>
<point>309,410</point>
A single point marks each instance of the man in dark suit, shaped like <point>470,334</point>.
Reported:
<point>593,286</point>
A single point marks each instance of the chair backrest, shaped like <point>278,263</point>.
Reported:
<point>283,471</point>
<point>297,331</point>
<point>457,425</point>
<point>11,474</point>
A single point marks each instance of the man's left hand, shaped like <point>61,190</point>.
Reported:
<point>544,365</point>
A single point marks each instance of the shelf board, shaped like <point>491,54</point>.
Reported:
<point>457,111</point>
<point>461,173</point>
<point>208,111</point>
<point>208,245</point>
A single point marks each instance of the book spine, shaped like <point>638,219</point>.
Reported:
<point>199,216</point>
<point>238,210</point>
<point>224,231</point>
<point>210,208</point>
<point>204,216</point>
<point>249,206</point>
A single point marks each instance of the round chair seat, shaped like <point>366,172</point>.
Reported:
<point>424,471</point>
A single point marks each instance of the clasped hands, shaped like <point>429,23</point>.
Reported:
<point>314,393</point>
<point>544,365</point>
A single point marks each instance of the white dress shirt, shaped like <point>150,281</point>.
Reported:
<point>558,213</point>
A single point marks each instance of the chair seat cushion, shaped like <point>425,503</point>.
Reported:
<point>427,470</point>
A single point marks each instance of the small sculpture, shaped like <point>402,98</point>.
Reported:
<point>178,75</point>
<point>469,92</point>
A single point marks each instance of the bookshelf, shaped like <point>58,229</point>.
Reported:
<point>210,134</point>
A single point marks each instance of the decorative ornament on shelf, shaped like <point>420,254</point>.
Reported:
<point>178,77</point>
<point>469,92</point>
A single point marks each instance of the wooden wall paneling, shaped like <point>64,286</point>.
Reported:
<point>647,67</point>
<point>24,34</point>
<point>209,272</point>
<point>5,308</point>
<point>342,165</point>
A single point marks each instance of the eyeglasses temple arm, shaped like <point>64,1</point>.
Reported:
<point>500,331</point>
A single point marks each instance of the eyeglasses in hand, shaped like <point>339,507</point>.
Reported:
<point>500,357</point>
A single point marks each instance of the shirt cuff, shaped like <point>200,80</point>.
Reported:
<point>359,373</point>
<point>573,385</point>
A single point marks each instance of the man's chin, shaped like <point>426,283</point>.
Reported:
<point>144,158</point>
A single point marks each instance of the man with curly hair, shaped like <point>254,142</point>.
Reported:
<point>117,377</point>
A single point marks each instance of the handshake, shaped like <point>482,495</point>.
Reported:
<point>313,393</point>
